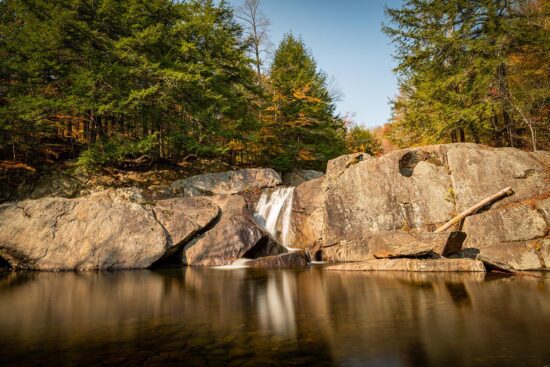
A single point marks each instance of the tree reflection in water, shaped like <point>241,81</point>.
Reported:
<point>194,316</point>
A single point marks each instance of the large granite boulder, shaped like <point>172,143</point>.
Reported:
<point>306,224</point>
<point>444,265</point>
<point>227,183</point>
<point>515,222</point>
<point>233,236</point>
<point>79,234</point>
<point>104,231</point>
<point>419,189</point>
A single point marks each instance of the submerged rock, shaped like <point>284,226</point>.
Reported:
<point>446,265</point>
<point>227,183</point>
<point>234,236</point>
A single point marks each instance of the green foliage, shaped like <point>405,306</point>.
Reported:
<point>116,150</point>
<point>305,129</point>
<point>360,139</point>
<point>456,67</point>
<point>102,78</point>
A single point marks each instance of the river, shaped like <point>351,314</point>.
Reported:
<point>256,317</point>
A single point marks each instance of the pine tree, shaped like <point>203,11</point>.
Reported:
<point>305,129</point>
<point>454,68</point>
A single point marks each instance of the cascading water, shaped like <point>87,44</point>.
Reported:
<point>273,212</point>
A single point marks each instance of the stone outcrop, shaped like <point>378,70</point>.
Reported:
<point>234,235</point>
<point>184,218</point>
<point>299,176</point>
<point>419,189</point>
<point>79,234</point>
<point>306,223</point>
<point>337,166</point>
<point>227,183</point>
<point>443,265</point>
<point>364,208</point>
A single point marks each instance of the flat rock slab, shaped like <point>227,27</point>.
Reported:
<point>445,265</point>
<point>227,183</point>
<point>288,260</point>
<point>398,244</point>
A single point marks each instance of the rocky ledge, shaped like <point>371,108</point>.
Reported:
<point>373,213</point>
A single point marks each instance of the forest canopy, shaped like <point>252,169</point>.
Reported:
<point>104,82</point>
<point>474,71</point>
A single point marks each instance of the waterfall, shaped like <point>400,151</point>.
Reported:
<point>273,212</point>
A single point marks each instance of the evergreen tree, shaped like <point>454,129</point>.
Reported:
<point>454,68</point>
<point>304,129</point>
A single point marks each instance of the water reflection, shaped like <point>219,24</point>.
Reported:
<point>290,317</point>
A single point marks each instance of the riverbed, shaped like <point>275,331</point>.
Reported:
<point>256,317</point>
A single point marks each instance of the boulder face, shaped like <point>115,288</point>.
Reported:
<point>79,234</point>
<point>515,256</point>
<point>388,193</point>
<point>227,183</point>
<point>234,235</point>
<point>419,189</point>
<point>306,223</point>
<point>183,218</point>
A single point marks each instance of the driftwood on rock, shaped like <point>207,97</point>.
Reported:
<point>474,208</point>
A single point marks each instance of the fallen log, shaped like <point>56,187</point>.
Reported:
<point>474,209</point>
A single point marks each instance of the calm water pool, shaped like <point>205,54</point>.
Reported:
<point>212,317</point>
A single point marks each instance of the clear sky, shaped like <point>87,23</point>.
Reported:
<point>345,38</point>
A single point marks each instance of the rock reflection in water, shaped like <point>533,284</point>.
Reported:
<point>214,317</point>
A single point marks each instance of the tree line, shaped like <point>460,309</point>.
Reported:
<point>110,81</point>
<point>476,71</point>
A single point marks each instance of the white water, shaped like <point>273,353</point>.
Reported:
<point>237,264</point>
<point>273,212</point>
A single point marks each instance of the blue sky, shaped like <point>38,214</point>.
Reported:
<point>346,40</point>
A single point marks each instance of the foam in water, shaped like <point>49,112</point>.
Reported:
<point>273,212</point>
<point>237,264</point>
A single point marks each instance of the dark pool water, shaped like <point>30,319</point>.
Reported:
<point>251,317</point>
